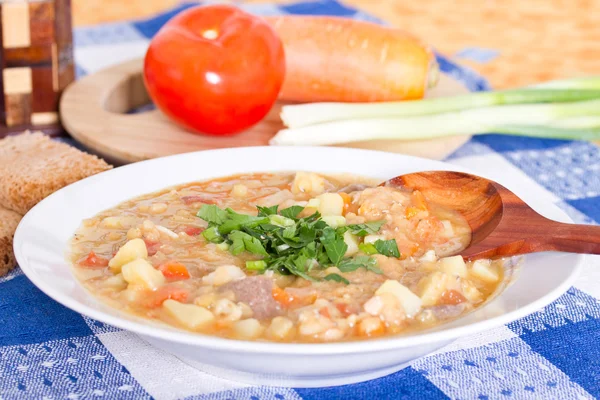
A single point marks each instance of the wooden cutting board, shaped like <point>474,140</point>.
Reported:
<point>94,110</point>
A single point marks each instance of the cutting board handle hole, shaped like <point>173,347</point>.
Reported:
<point>129,96</point>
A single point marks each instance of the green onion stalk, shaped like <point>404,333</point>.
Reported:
<point>568,109</point>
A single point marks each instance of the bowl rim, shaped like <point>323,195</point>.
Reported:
<point>235,345</point>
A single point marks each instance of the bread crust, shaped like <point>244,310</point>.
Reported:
<point>32,166</point>
<point>8,224</point>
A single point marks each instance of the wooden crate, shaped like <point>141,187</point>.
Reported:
<point>36,59</point>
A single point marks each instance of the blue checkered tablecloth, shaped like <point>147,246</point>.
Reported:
<point>50,352</point>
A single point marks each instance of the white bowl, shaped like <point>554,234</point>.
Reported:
<point>43,234</point>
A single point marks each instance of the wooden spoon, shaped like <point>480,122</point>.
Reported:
<point>502,224</point>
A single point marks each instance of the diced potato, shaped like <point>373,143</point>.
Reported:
<point>352,243</point>
<point>331,204</point>
<point>313,203</point>
<point>246,310</point>
<point>432,286</point>
<point>411,303</point>
<point>227,310</point>
<point>448,229</point>
<point>112,223</point>
<point>134,233</point>
<point>470,292</point>
<point>308,182</point>
<point>280,328</point>
<point>392,312</point>
<point>188,315</point>
<point>224,274</point>
<point>248,328</point>
<point>239,190</point>
<point>133,294</point>
<point>429,256</point>
<point>116,282</point>
<point>206,299</point>
<point>141,273</point>
<point>335,221</point>
<point>370,239</point>
<point>485,271</point>
<point>332,334</point>
<point>374,305</point>
<point>158,208</point>
<point>454,265</point>
<point>132,250</point>
<point>312,323</point>
<point>371,326</point>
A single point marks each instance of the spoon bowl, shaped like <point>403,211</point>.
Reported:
<point>502,224</point>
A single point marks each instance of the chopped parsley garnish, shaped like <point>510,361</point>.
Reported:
<point>337,278</point>
<point>366,228</point>
<point>292,245</point>
<point>387,248</point>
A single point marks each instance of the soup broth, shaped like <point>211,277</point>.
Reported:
<point>288,257</point>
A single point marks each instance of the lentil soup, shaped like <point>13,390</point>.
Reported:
<point>289,257</point>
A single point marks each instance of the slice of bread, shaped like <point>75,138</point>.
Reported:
<point>8,224</point>
<point>32,166</point>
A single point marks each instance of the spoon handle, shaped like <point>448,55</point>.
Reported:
<point>571,238</point>
<point>515,236</point>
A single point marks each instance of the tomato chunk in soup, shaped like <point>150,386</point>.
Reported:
<point>290,257</point>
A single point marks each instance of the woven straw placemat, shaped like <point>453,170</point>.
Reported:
<point>510,42</point>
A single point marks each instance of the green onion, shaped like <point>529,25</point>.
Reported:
<point>258,265</point>
<point>367,248</point>
<point>297,116</point>
<point>567,108</point>
<point>223,246</point>
<point>474,121</point>
<point>280,220</point>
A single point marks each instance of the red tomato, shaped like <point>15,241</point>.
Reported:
<point>215,69</point>
<point>193,230</point>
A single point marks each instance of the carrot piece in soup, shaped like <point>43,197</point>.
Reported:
<point>324,311</point>
<point>347,309</point>
<point>452,297</point>
<point>411,211</point>
<point>155,299</point>
<point>282,297</point>
<point>348,206</point>
<point>93,261</point>
<point>419,200</point>
<point>173,270</point>
<point>289,300</point>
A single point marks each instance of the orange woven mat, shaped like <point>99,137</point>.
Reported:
<point>511,42</point>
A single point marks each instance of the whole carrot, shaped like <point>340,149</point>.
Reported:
<point>339,59</point>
